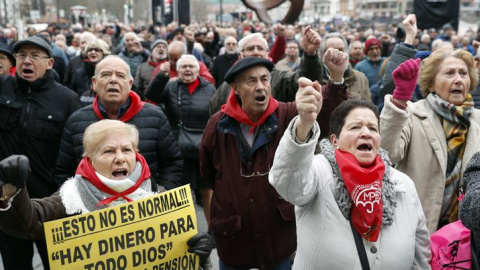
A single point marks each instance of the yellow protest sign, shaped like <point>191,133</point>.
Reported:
<point>147,234</point>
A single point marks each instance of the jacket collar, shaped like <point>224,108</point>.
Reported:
<point>42,84</point>
<point>264,134</point>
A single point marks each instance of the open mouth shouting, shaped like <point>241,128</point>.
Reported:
<point>120,174</point>
<point>365,147</point>
<point>261,99</point>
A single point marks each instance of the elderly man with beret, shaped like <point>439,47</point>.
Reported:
<point>33,110</point>
<point>254,227</point>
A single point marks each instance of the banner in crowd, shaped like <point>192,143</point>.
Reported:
<point>436,13</point>
<point>147,234</point>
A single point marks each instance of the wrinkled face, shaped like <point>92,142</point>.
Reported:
<point>253,88</point>
<point>452,82</point>
<point>188,70</point>
<point>130,41</point>
<point>115,157</point>
<point>356,52</point>
<point>112,82</point>
<point>34,64</point>
<point>255,48</point>
<point>94,54</point>
<point>374,52</point>
<point>230,46</point>
<point>5,64</point>
<point>292,50</point>
<point>159,52</point>
<point>359,136</point>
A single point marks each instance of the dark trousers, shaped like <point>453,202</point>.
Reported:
<point>17,254</point>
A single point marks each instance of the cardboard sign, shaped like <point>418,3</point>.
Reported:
<point>151,233</point>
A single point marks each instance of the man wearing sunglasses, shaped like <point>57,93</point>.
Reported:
<point>33,111</point>
<point>254,227</point>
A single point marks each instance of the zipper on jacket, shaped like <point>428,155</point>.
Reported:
<point>28,107</point>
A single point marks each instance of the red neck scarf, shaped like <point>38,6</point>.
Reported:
<point>156,64</point>
<point>364,185</point>
<point>193,86</point>
<point>135,106</point>
<point>86,170</point>
<point>233,109</point>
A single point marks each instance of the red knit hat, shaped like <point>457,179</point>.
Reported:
<point>370,42</point>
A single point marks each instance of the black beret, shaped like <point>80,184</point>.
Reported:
<point>244,64</point>
<point>34,40</point>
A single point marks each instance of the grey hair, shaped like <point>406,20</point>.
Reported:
<point>97,70</point>
<point>352,43</point>
<point>249,37</point>
<point>333,35</point>
<point>185,57</point>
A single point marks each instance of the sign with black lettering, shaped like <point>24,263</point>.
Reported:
<point>147,234</point>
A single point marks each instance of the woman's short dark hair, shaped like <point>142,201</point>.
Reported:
<point>337,120</point>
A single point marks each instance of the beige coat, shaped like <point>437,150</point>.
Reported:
<point>416,142</point>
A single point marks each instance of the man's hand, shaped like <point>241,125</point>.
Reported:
<point>336,62</point>
<point>165,68</point>
<point>410,26</point>
<point>189,35</point>
<point>279,30</point>
<point>138,46</point>
<point>309,103</point>
<point>310,41</point>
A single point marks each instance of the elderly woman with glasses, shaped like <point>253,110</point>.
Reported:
<point>111,173</point>
<point>81,81</point>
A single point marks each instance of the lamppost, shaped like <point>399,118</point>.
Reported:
<point>221,13</point>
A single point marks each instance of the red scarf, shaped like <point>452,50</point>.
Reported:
<point>156,64</point>
<point>193,86</point>
<point>86,170</point>
<point>135,106</point>
<point>365,188</point>
<point>233,109</point>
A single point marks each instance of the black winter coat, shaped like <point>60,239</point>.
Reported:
<point>157,144</point>
<point>32,117</point>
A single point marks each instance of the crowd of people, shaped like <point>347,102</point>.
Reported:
<point>308,147</point>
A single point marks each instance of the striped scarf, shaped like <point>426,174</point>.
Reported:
<point>455,122</point>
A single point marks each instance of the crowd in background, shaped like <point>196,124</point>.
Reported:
<point>181,75</point>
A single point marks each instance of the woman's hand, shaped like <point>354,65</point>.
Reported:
<point>14,172</point>
<point>202,245</point>
<point>405,78</point>
<point>309,102</point>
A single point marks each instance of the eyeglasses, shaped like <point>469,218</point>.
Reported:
<point>94,50</point>
<point>264,164</point>
<point>251,48</point>
<point>33,56</point>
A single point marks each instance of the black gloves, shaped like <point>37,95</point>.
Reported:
<point>14,170</point>
<point>202,245</point>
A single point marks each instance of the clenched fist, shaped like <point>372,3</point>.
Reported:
<point>309,101</point>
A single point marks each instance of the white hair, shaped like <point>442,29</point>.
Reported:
<point>249,37</point>
<point>185,57</point>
